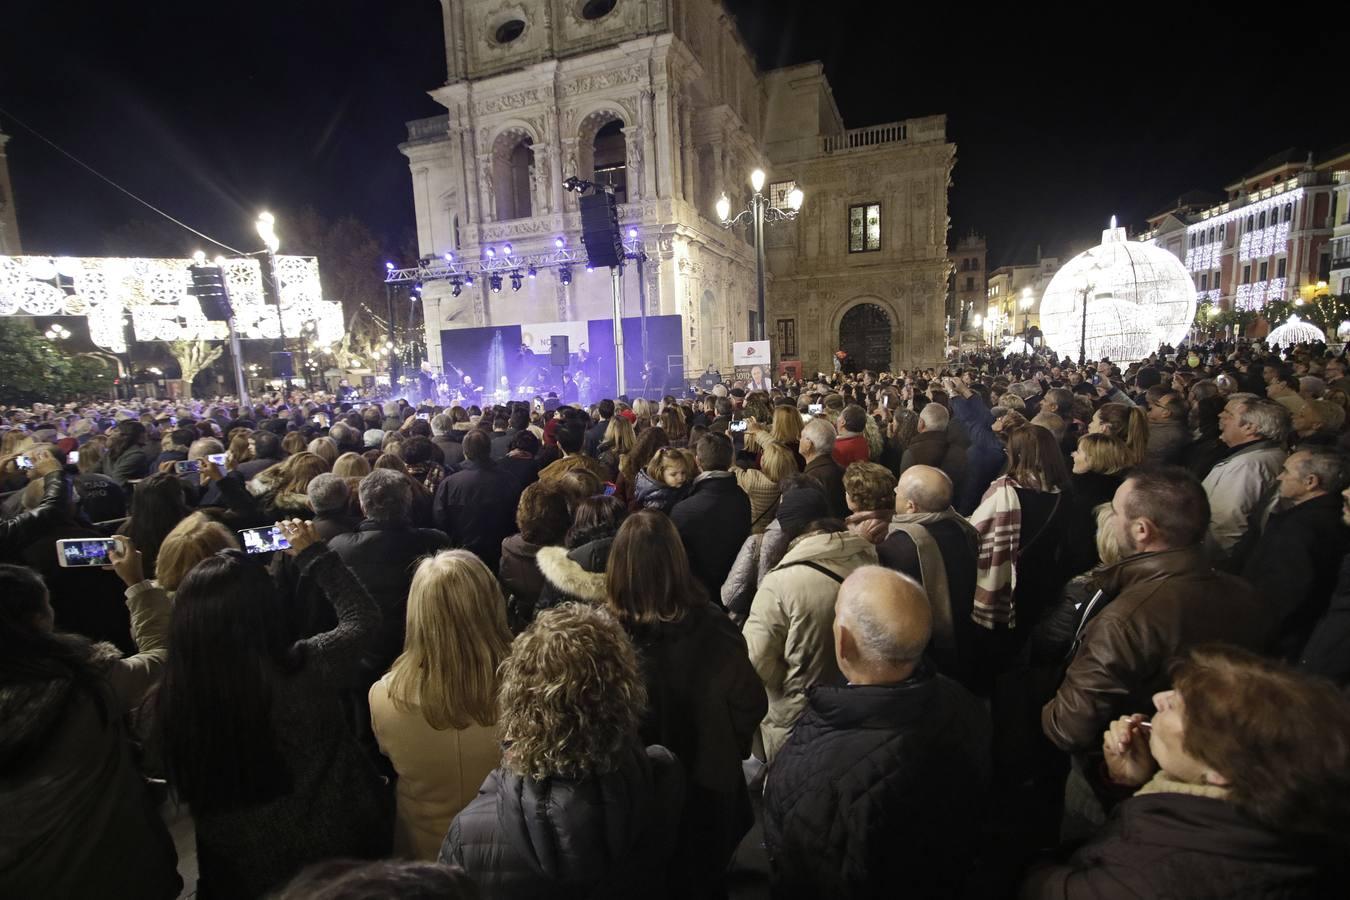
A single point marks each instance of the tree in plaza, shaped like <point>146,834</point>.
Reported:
<point>193,356</point>
<point>33,369</point>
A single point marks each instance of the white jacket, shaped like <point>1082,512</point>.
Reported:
<point>1236,486</point>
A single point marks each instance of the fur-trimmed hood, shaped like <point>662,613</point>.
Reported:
<point>570,573</point>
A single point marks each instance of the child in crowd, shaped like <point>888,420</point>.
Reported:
<point>667,480</point>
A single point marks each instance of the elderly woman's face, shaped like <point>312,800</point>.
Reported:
<point>1165,742</point>
<point>1080,463</point>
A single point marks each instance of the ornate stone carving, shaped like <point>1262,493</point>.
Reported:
<point>589,84</point>
<point>518,100</point>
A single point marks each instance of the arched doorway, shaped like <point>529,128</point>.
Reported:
<point>865,335</point>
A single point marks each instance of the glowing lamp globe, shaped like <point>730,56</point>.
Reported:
<point>1138,296</point>
<point>1295,331</point>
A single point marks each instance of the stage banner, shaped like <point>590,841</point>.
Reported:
<point>538,336</point>
<point>752,363</point>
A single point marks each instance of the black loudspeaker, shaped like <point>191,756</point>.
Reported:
<point>600,229</point>
<point>559,355</point>
<point>208,286</point>
<point>281,366</point>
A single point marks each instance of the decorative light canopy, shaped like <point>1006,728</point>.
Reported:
<point>156,294</point>
<point>1295,331</point>
<point>1138,296</point>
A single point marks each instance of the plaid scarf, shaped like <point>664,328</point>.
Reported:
<point>998,522</point>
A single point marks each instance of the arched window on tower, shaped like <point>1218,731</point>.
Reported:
<point>610,155</point>
<point>513,179</point>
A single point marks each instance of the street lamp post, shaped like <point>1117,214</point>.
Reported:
<point>266,225</point>
<point>1027,302</point>
<point>760,211</point>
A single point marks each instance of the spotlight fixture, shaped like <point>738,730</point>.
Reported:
<point>632,234</point>
<point>558,242</point>
<point>515,280</point>
<point>468,281</point>
<point>495,282</point>
<point>506,250</point>
<point>590,268</point>
<point>456,288</point>
<point>532,271</point>
<point>565,274</point>
<point>389,267</point>
<point>449,257</point>
<point>490,253</point>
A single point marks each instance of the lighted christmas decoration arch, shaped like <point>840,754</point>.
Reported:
<point>1295,331</point>
<point>1138,296</point>
<point>154,294</point>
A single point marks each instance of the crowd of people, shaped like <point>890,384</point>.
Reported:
<point>1007,627</point>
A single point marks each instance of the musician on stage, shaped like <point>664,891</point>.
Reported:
<point>569,390</point>
<point>502,395</point>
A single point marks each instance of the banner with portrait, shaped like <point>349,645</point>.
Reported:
<point>753,364</point>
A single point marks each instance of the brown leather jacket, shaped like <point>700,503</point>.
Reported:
<point>1164,604</point>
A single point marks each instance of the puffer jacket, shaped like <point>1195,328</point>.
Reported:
<point>653,494</point>
<point>877,787</point>
<point>1161,604</point>
<point>1235,487</point>
<point>576,574</point>
<point>605,836</point>
<point>759,553</point>
<point>790,630</point>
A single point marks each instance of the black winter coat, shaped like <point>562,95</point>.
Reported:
<point>1186,847</point>
<point>704,703</point>
<point>1295,563</point>
<point>1328,649</point>
<point>383,556</point>
<point>476,507</point>
<point>602,837</point>
<point>1078,550</point>
<point>713,522</point>
<point>878,790</point>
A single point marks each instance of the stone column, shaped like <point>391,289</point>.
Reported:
<point>632,140</point>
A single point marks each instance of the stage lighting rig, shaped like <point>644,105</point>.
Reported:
<point>565,274</point>
<point>495,283</point>
<point>577,185</point>
<point>515,279</point>
<point>456,287</point>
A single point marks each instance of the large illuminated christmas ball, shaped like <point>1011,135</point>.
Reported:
<point>1295,331</point>
<point>1138,297</point>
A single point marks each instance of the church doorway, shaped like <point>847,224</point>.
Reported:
<point>865,335</point>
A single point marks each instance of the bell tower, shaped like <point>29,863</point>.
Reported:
<point>9,218</point>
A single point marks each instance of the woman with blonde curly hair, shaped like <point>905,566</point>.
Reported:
<point>434,714</point>
<point>577,806</point>
<point>191,541</point>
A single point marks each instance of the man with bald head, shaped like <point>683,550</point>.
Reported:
<point>874,791</point>
<point>933,544</point>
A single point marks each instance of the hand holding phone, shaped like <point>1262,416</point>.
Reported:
<point>126,561</point>
<point>76,553</point>
<point>187,466</point>
<point>217,458</point>
<point>266,539</point>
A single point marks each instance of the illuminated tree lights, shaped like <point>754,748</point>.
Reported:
<point>155,292</point>
<point>1138,297</point>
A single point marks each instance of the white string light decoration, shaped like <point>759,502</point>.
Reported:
<point>1138,296</point>
<point>156,294</point>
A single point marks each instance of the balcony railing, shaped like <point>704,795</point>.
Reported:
<point>856,138</point>
<point>432,129</point>
<point>1341,263</point>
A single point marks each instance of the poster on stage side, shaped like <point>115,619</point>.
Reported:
<point>538,336</point>
<point>750,353</point>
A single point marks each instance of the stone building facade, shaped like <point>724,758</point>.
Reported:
<point>661,100</point>
<point>9,216</point>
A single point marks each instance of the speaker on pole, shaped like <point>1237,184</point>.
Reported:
<point>208,286</point>
<point>559,353</point>
<point>281,365</point>
<point>600,229</point>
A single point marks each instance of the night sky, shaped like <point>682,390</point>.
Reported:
<point>1061,119</point>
